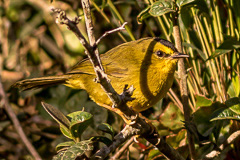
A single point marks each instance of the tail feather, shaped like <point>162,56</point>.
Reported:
<point>40,82</point>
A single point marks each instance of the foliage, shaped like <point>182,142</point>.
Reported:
<point>73,129</point>
<point>33,45</point>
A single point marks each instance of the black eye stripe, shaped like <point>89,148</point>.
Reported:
<point>160,53</point>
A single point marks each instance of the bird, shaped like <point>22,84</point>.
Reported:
<point>148,64</point>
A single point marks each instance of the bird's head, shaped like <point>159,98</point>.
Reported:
<point>165,50</point>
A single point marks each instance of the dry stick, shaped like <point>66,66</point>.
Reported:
<point>117,100</point>
<point>4,101</point>
<point>119,139</point>
<point>183,82</point>
<point>112,31</point>
<point>122,150</point>
<point>231,139</point>
<point>139,125</point>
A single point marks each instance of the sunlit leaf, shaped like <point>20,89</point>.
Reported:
<point>160,8</point>
<point>79,122</point>
<point>143,15</point>
<point>74,151</point>
<point>202,101</point>
<point>225,114</point>
<point>182,3</point>
<point>64,145</point>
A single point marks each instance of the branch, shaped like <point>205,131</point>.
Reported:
<point>138,125</point>
<point>118,140</point>
<point>123,149</point>
<point>183,81</point>
<point>111,31</point>
<point>4,101</point>
<point>231,139</point>
<point>137,129</point>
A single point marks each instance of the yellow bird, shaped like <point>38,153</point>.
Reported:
<point>148,64</point>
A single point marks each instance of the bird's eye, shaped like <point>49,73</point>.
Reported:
<point>161,53</point>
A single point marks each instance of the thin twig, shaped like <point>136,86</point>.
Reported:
<point>175,99</point>
<point>119,139</point>
<point>5,103</point>
<point>111,31</point>
<point>123,149</point>
<point>231,139</point>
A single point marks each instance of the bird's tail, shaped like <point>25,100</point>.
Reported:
<point>40,82</point>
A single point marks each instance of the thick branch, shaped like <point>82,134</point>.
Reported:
<point>139,128</point>
<point>119,139</point>
<point>16,123</point>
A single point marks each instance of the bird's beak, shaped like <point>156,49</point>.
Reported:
<point>179,55</point>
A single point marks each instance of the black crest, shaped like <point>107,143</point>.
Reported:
<point>166,43</point>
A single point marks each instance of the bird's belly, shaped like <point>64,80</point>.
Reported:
<point>150,92</point>
<point>146,93</point>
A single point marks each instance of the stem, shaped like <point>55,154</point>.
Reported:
<point>183,82</point>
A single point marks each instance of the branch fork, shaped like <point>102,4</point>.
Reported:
<point>138,126</point>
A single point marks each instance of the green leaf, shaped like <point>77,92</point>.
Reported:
<point>172,117</point>
<point>202,101</point>
<point>79,122</point>
<point>102,139</point>
<point>74,151</point>
<point>225,114</point>
<point>182,3</point>
<point>202,118</point>
<point>160,8</point>
<point>175,139</point>
<point>143,15</point>
<point>63,145</point>
<point>231,110</point>
<point>231,90</point>
<point>106,128</point>
<point>66,132</point>
<point>234,104</point>
<point>58,116</point>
